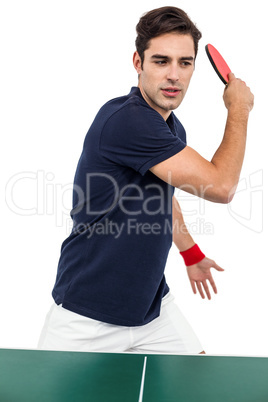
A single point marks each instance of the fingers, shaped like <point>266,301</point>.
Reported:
<point>217,267</point>
<point>231,76</point>
<point>214,265</point>
<point>200,277</point>
<point>200,286</point>
<point>203,286</point>
<point>213,285</point>
<point>193,286</point>
<point>200,289</point>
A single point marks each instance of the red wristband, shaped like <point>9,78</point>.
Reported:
<point>192,256</point>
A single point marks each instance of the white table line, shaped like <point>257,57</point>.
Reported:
<point>142,380</point>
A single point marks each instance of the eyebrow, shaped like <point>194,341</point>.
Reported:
<point>160,56</point>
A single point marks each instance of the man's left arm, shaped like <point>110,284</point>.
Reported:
<point>198,273</point>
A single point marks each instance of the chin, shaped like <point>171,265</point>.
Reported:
<point>172,106</point>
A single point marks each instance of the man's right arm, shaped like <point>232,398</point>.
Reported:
<point>215,180</point>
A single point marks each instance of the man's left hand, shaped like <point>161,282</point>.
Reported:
<point>200,273</point>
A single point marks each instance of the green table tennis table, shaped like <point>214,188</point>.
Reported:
<point>48,376</point>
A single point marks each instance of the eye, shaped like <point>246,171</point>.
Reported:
<point>186,63</point>
<point>161,62</point>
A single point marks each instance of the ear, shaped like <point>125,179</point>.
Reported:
<point>137,62</point>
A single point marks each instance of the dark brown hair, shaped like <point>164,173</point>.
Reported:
<point>164,20</point>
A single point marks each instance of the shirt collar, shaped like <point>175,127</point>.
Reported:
<point>170,121</point>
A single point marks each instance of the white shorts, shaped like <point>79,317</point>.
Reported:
<point>169,333</point>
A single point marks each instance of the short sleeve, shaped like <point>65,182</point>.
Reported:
<point>138,137</point>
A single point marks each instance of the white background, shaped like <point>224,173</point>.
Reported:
<point>60,62</point>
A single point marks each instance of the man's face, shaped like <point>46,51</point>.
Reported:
<point>167,70</point>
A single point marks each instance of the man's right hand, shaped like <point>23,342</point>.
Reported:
<point>238,95</point>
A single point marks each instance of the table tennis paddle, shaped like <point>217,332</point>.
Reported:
<point>218,63</point>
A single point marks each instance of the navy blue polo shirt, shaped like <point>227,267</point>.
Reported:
<point>111,266</point>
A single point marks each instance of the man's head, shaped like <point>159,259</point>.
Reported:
<point>167,32</point>
<point>161,21</point>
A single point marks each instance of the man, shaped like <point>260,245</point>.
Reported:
<point>110,293</point>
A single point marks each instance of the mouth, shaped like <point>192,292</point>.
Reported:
<point>171,91</point>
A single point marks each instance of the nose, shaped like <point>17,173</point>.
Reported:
<point>173,72</point>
